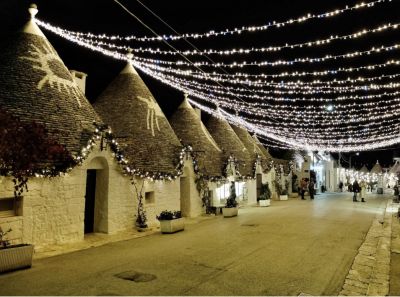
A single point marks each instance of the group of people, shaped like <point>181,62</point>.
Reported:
<point>359,189</point>
<point>368,187</point>
<point>307,185</point>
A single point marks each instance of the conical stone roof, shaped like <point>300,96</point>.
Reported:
<point>138,123</point>
<point>189,128</point>
<point>230,143</point>
<point>36,86</point>
<point>364,169</point>
<point>251,145</point>
<point>282,162</point>
<point>395,168</point>
<point>377,168</point>
<point>262,148</point>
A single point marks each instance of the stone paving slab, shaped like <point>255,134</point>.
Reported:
<point>370,271</point>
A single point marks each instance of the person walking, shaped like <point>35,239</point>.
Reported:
<point>356,190</point>
<point>303,186</point>
<point>363,192</point>
<point>311,189</point>
<point>341,186</point>
<point>396,193</point>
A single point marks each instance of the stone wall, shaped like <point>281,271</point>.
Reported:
<point>53,208</point>
<point>191,203</point>
<point>251,192</point>
<point>166,196</point>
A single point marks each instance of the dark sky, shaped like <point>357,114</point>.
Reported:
<point>105,16</point>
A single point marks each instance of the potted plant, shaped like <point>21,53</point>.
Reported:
<point>265,196</point>
<point>230,209</point>
<point>282,192</point>
<point>171,221</point>
<point>284,195</point>
<point>13,257</point>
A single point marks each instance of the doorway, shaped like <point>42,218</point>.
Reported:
<point>185,196</point>
<point>259,184</point>
<point>90,198</point>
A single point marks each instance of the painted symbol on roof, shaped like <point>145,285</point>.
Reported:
<point>153,111</point>
<point>49,62</point>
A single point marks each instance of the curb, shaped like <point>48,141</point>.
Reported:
<point>370,272</point>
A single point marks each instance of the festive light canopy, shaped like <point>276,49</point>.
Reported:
<point>319,100</point>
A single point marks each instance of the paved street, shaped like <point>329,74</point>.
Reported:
<point>289,248</point>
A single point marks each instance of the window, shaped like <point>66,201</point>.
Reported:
<point>149,197</point>
<point>10,206</point>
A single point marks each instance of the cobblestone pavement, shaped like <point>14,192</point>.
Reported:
<point>370,272</point>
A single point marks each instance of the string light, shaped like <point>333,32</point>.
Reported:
<point>372,133</point>
<point>208,98</point>
<point>226,32</point>
<point>354,54</point>
<point>151,63</point>
<point>261,94</point>
<point>301,144</point>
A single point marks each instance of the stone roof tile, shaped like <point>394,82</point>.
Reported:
<point>36,86</point>
<point>138,123</point>
<point>191,131</point>
<point>230,143</point>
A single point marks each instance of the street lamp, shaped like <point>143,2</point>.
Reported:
<point>357,154</point>
<point>329,107</point>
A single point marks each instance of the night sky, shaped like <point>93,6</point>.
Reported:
<point>105,16</point>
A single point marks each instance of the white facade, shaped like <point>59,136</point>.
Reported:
<point>53,210</point>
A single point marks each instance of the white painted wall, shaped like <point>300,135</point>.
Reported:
<point>53,209</point>
<point>191,203</point>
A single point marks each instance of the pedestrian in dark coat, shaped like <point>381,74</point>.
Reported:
<point>356,190</point>
<point>311,189</point>
<point>303,186</point>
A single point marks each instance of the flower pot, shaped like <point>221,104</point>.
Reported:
<point>283,197</point>
<point>172,226</point>
<point>229,212</point>
<point>266,202</point>
<point>16,257</point>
